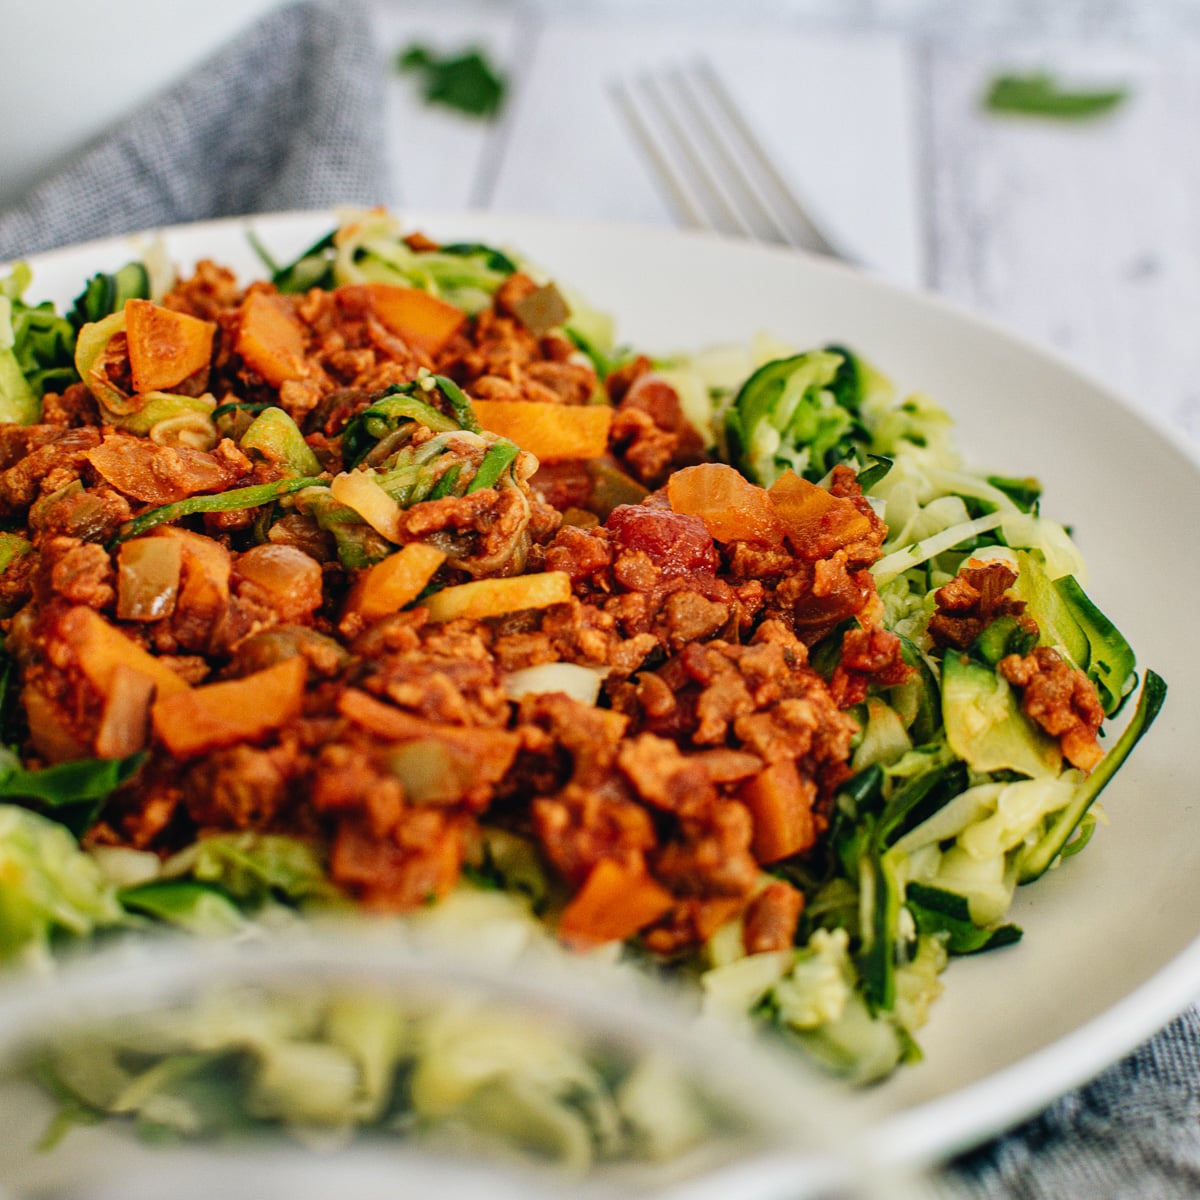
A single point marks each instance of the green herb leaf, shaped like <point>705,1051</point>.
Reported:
<point>67,782</point>
<point>466,82</point>
<point>74,791</point>
<point>1040,95</point>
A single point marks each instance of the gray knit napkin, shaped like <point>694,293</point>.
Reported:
<point>1133,1133</point>
<point>289,115</point>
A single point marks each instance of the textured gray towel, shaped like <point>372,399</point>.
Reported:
<point>1133,1133</point>
<point>288,116</point>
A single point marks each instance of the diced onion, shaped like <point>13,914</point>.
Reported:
<point>484,598</point>
<point>579,682</point>
<point>359,491</point>
<point>148,574</point>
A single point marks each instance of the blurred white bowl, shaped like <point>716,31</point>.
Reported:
<point>73,68</point>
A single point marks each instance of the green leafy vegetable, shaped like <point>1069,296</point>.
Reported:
<point>787,416</point>
<point>1111,660</point>
<point>74,791</point>
<point>312,269</point>
<point>497,460</point>
<point>1024,493</point>
<point>1039,94</point>
<point>493,259</point>
<point>459,403</point>
<point>394,412</point>
<point>358,545</point>
<point>12,547</point>
<point>275,436</point>
<point>255,867</point>
<point>37,350</point>
<point>1035,861</point>
<point>193,907</point>
<point>105,294</point>
<point>466,82</point>
<point>938,911</point>
<point>246,497</point>
<point>877,469</point>
<point>373,248</point>
<point>48,886</point>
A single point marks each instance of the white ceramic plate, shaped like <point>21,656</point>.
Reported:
<point>1111,950</point>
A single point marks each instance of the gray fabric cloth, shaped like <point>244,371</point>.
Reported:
<point>287,116</point>
<point>1133,1133</point>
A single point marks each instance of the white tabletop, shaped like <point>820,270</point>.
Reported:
<point>1083,236</point>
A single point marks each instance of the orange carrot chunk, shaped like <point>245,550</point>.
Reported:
<point>389,585</point>
<point>731,507</point>
<point>817,522</point>
<point>617,899</point>
<point>550,432</point>
<point>101,648</point>
<point>165,347</point>
<point>421,319</point>
<point>780,803</point>
<point>269,339</point>
<point>237,710</point>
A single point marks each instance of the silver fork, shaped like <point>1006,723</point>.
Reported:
<point>710,164</point>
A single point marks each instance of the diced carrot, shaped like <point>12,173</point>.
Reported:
<point>617,899</point>
<point>781,804</point>
<point>269,339</point>
<point>732,508</point>
<point>817,523</point>
<point>165,347</point>
<point>494,597</point>
<point>420,318</point>
<point>550,432</point>
<point>101,648</point>
<point>489,751</point>
<point>237,710</point>
<point>389,585</point>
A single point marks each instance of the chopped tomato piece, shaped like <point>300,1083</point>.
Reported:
<point>677,542</point>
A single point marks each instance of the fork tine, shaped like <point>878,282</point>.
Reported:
<point>685,122</point>
<point>679,157</point>
<point>812,237</point>
<point>680,196</point>
<point>713,168</point>
<point>758,217</point>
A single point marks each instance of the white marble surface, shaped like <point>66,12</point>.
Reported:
<point>1084,237</point>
